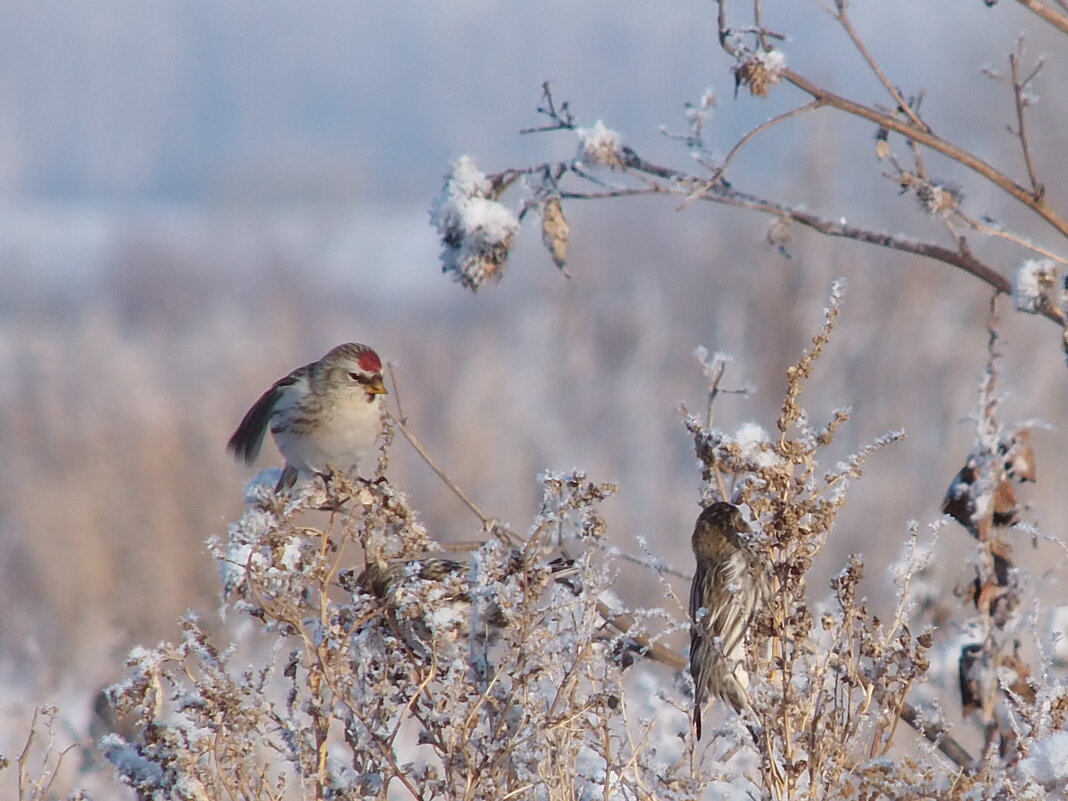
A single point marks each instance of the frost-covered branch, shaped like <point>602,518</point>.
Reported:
<point>605,167</point>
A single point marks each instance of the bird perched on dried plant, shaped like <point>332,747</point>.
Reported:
<point>729,586</point>
<point>327,414</point>
<point>386,580</point>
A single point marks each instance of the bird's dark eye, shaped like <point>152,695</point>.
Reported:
<point>356,377</point>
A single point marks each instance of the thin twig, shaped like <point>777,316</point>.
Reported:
<point>909,130</point>
<point>991,230</point>
<point>713,393</point>
<point>1019,90</point>
<point>961,257</point>
<point>463,496</point>
<point>656,565</point>
<point>400,422</point>
<point>624,622</point>
<point>462,546</point>
<point>25,752</point>
<point>843,19</point>
<point>612,194</point>
<point>917,154</point>
<point>810,106</point>
<point>936,143</point>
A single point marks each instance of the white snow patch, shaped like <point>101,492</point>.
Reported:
<point>261,486</point>
<point>475,229</point>
<point>140,771</point>
<point>774,61</point>
<point>754,441</point>
<point>1057,632</point>
<point>1047,762</point>
<point>445,617</point>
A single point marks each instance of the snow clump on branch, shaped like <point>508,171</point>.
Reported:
<point>599,146</point>
<point>476,230</point>
<point>759,71</point>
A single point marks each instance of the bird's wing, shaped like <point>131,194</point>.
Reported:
<point>700,664</point>
<point>247,439</point>
<point>730,621</point>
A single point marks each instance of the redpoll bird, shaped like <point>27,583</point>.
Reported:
<point>327,414</point>
<point>386,580</point>
<point>729,586</point>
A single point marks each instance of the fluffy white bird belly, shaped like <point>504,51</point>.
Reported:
<point>342,437</point>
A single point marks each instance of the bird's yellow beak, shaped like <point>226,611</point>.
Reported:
<point>376,387</point>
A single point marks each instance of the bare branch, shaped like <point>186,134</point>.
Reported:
<point>1056,19</point>
<point>902,105</point>
<point>961,258</point>
<point>907,128</point>
<point>764,126</point>
<point>990,229</point>
<point>1019,93</point>
<point>401,423</point>
<point>936,143</point>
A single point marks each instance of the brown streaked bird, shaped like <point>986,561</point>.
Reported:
<point>729,586</point>
<point>385,579</point>
<point>326,414</point>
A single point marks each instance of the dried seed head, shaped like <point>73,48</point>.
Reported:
<point>778,235</point>
<point>760,71</point>
<point>939,199</point>
<point>882,146</point>
<point>599,145</point>
<point>1033,285</point>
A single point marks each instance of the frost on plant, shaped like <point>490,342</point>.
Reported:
<point>818,706</point>
<point>475,229</point>
<point>1047,763</point>
<point>939,199</point>
<point>599,146</point>
<point>372,664</point>
<point>759,71</point>
<point>374,669</point>
<point>999,684</point>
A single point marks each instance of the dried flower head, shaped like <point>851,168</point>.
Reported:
<point>939,199</point>
<point>759,71</point>
<point>599,146</point>
<point>1033,285</point>
<point>981,494</point>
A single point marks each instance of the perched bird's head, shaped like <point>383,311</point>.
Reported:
<point>352,366</point>
<point>717,529</point>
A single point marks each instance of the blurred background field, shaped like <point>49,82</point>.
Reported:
<point>197,197</point>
